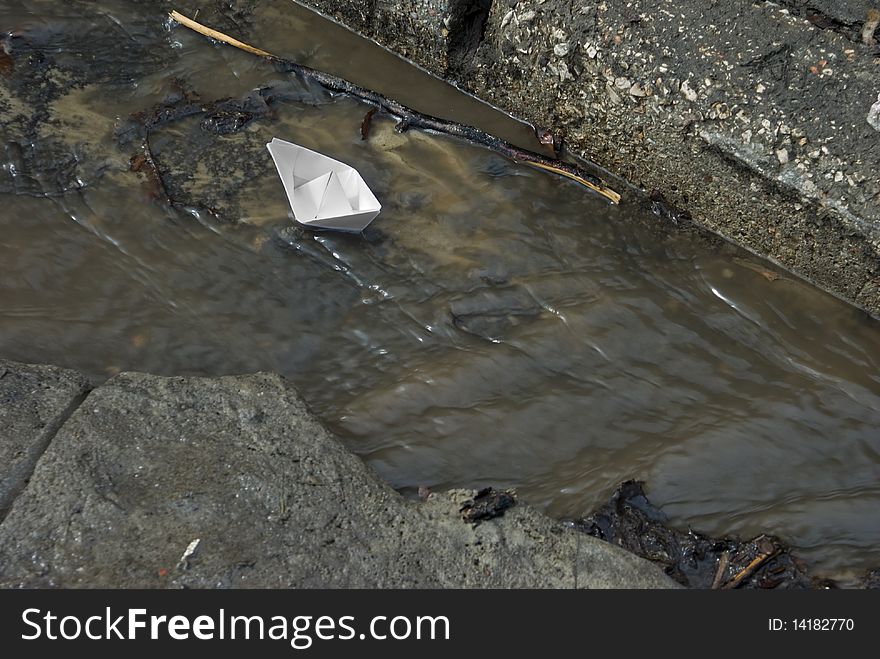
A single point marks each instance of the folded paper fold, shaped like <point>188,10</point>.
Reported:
<point>323,192</point>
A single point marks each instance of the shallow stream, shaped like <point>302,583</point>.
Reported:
<point>494,325</point>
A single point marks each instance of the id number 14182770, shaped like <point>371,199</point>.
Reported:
<point>811,624</point>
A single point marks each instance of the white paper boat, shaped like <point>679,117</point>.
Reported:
<point>323,192</point>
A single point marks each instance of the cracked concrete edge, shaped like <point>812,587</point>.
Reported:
<point>775,153</point>
<point>35,401</point>
<point>238,467</point>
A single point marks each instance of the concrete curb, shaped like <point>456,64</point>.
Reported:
<point>753,117</point>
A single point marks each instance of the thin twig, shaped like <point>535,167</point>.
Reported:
<point>749,569</point>
<point>409,118</point>
<point>723,562</point>
<point>146,163</point>
<point>219,36</point>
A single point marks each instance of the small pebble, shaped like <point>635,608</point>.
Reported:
<point>687,92</point>
<point>874,114</point>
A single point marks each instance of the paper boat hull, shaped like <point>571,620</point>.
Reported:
<point>323,193</point>
<point>353,223</point>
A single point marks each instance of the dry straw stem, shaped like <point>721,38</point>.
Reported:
<point>749,569</point>
<point>219,36</point>
<point>409,118</point>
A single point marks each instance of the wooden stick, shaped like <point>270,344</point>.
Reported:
<point>409,118</point>
<point>723,561</point>
<point>219,36</point>
<point>749,569</point>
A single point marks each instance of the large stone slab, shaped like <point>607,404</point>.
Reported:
<point>238,471</point>
<point>34,401</point>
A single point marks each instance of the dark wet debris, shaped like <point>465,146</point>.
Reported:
<point>226,122</point>
<point>871,580</point>
<point>222,116</point>
<point>489,503</point>
<point>629,520</point>
<point>230,116</point>
<point>168,111</point>
<point>662,208</point>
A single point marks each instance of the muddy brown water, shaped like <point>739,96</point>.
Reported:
<point>495,325</point>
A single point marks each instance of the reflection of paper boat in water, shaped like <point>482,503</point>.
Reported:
<point>323,192</point>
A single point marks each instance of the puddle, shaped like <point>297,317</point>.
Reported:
<point>494,326</point>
